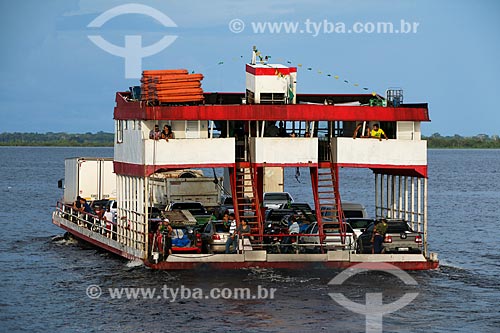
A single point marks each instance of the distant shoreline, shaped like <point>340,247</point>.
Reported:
<point>106,140</point>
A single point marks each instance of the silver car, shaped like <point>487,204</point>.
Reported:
<point>214,237</point>
<point>333,237</point>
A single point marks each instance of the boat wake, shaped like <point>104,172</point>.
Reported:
<point>134,263</point>
<point>271,275</point>
<point>64,239</point>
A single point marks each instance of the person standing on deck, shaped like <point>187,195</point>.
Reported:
<point>231,240</point>
<point>108,220</point>
<point>166,237</point>
<point>378,236</point>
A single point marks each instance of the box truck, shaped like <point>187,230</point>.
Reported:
<point>89,177</point>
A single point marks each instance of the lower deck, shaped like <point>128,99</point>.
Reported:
<point>333,259</point>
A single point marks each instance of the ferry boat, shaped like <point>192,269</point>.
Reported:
<point>238,132</point>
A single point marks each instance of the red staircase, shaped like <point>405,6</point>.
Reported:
<point>246,196</point>
<point>327,197</point>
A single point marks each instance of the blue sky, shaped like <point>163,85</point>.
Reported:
<point>55,79</point>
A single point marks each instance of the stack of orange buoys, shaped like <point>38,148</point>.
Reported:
<point>171,86</point>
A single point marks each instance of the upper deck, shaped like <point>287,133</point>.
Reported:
<point>213,134</point>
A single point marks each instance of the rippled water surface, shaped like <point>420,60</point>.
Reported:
<point>45,280</point>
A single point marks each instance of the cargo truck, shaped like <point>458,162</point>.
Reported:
<point>89,177</point>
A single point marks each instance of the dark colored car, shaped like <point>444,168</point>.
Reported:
<point>399,238</point>
<point>302,211</point>
<point>228,206</point>
<point>195,208</point>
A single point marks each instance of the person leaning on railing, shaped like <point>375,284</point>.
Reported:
<point>377,133</point>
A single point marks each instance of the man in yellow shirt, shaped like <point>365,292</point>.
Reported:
<point>377,133</point>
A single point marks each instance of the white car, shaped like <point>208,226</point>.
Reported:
<point>273,200</point>
<point>350,209</point>
<point>359,225</point>
<point>333,239</point>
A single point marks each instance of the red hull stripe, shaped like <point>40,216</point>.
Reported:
<point>407,266</point>
<point>270,70</point>
<point>98,244</point>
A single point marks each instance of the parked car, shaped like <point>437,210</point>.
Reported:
<point>350,209</point>
<point>359,225</point>
<point>277,215</point>
<point>225,206</point>
<point>196,209</point>
<point>332,234</point>
<point>214,237</point>
<point>228,206</point>
<point>399,238</point>
<point>275,199</point>
<point>302,210</point>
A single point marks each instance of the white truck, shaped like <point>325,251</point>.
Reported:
<point>89,177</point>
<point>169,187</point>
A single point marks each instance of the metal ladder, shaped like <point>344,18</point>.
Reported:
<point>327,195</point>
<point>246,201</point>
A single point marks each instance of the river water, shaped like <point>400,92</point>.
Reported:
<point>45,281</point>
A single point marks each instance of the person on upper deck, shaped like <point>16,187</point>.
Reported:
<point>271,129</point>
<point>167,132</point>
<point>155,133</point>
<point>282,130</point>
<point>377,133</point>
<point>359,130</point>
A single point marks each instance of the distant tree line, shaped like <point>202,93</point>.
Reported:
<point>103,139</point>
<point>99,139</point>
<point>457,141</point>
